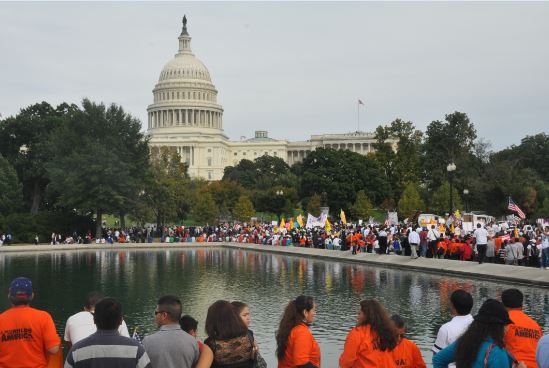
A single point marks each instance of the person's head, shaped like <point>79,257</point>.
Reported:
<point>462,302</point>
<point>371,313</point>
<point>189,325</point>
<point>479,225</point>
<point>489,322</point>
<point>223,322</point>
<point>107,314</point>
<point>400,325</point>
<point>300,310</point>
<point>243,311</point>
<point>168,310</point>
<point>91,300</point>
<point>512,298</point>
<point>21,291</point>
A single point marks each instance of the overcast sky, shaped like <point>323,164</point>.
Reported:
<point>294,69</point>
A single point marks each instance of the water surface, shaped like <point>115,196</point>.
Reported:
<point>265,281</point>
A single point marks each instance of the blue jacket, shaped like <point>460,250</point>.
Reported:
<point>499,358</point>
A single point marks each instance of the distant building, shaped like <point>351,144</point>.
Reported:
<point>185,116</point>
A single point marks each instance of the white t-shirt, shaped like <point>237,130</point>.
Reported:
<point>80,326</point>
<point>481,235</point>
<point>450,332</point>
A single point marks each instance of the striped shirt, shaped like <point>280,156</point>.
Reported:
<point>105,349</point>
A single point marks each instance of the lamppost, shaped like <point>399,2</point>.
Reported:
<point>465,194</point>
<point>279,194</point>
<point>451,168</point>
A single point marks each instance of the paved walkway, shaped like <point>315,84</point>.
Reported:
<point>516,274</point>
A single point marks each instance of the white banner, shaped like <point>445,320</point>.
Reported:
<point>316,221</point>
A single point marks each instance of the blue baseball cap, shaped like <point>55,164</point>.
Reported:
<point>21,287</point>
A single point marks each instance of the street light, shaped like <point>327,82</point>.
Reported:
<point>451,168</point>
<point>279,194</point>
<point>465,194</point>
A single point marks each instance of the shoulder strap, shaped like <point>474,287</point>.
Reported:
<point>487,355</point>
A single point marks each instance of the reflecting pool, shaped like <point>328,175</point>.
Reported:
<point>265,281</point>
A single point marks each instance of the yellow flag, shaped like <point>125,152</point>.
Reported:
<point>291,227</point>
<point>282,224</point>
<point>300,220</point>
<point>342,217</point>
<point>328,226</point>
<point>458,215</point>
<point>452,229</point>
<point>516,234</point>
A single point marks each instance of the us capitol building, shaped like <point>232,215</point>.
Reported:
<point>185,116</point>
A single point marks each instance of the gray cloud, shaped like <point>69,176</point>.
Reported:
<point>294,69</point>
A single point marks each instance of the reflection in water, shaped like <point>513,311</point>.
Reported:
<point>265,281</point>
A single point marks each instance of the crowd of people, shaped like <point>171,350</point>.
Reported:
<point>500,335</point>
<point>487,243</point>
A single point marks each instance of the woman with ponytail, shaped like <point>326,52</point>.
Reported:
<point>296,346</point>
<point>370,343</point>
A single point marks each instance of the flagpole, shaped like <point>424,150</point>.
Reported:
<point>358,116</point>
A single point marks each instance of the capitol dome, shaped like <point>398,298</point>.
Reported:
<point>185,99</point>
<point>184,67</point>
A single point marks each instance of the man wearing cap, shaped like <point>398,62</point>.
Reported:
<point>27,335</point>
<point>521,337</point>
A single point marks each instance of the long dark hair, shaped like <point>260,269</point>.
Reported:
<point>293,315</point>
<point>377,318</point>
<point>469,343</point>
<point>222,321</point>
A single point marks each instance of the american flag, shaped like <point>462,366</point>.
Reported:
<point>513,207</point>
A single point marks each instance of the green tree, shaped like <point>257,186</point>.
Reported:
<point>264,173</point>
<point>410,201</point>
<point>26,144</point>
<point>440,200</point>
<point>244,209</point>
<point>98,159</point>
<point>445,142</point>
<point>204,210</point>
<point>277,200</point>
<point>341,174</point>
<point>362,208</point>
<point>163,194</point>
<point>403,165</point>
<point>243,173</point>
<point>226,194</point>
<point>313,206</point>
<point>11,191</point>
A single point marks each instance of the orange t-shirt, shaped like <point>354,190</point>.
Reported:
<point>302,348</point>
<point>359,351</point>
<point>25,335</point>
<point>521,338</point>
<point>407,355</point>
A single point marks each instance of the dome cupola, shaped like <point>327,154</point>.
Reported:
<point>185,96</point>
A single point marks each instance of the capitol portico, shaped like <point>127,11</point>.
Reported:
<point>185,116</point>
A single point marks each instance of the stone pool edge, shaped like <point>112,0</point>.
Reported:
<point>492,272</point>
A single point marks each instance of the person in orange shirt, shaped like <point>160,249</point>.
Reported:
<point>27,335</point>
<point>370,343</point>
<point>296,346</point>
<point>406,354</point>
<point>521,338</point>
<point>441,249</point>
